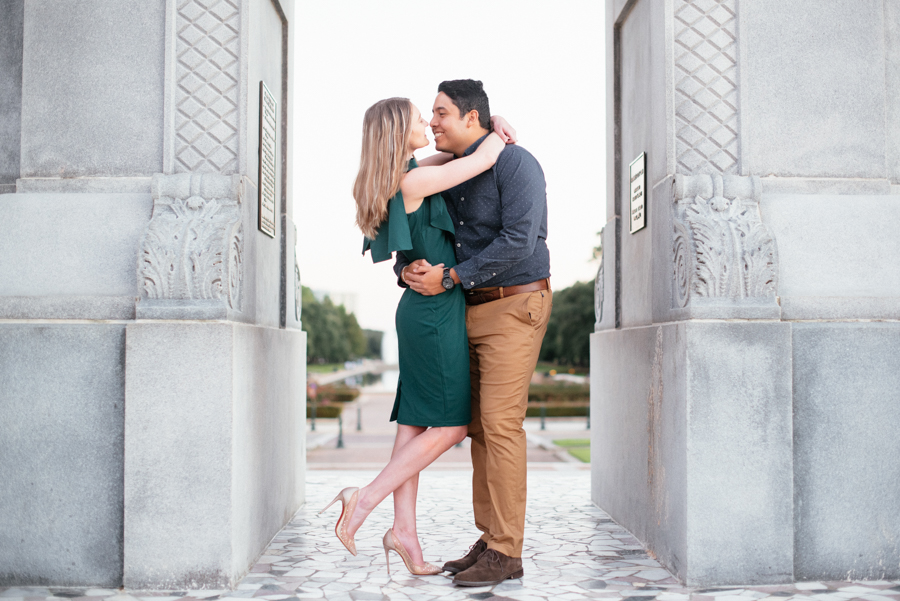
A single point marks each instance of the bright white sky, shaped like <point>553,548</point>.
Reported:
<point>542,66</point>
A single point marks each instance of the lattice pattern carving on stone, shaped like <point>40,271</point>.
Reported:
<point>194,244</point>
<point>706,96</point>
<point>207,90</point>
<point>722,249</point>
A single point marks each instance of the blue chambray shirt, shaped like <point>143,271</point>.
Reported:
<point>500,217</point>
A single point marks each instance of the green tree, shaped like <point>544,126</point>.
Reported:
<point>333,335</point>
<point>356,339</point>
<point>373,343</point>
<point>571,323</point>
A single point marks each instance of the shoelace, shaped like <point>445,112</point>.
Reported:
<point>472,548</point>
<point>490,555</point>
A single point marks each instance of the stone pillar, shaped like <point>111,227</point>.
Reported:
<point>150,346</point>
<point>743,364</point>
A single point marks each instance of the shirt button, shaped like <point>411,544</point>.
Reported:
<point>460,222</point>
<point>471,283</point>
<point>493,274</point>
<point>462,197</point>
<point>458,245</point>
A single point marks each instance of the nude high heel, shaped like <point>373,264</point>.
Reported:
<point>348,497</point>
<point>392,543</point>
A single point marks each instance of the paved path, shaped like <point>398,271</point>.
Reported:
<point>366,366</point>
<point>573,552</point>
<point>370,448</point>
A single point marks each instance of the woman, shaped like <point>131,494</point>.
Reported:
<point>399,207</point>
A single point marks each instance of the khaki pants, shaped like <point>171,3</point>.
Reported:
<point>505,338</point>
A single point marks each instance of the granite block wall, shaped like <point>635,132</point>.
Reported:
<point>214,465</point>
<point>847,479</point>
<point>10,91</point>
<point>62,443</point>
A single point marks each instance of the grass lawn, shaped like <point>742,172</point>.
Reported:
<point>324,368</point>
<point>573,442</point>
<point>579,448</point>
<point>583,454</point>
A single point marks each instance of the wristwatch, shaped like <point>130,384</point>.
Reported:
<point>447,281</point>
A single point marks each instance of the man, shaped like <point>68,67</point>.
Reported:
<point>504,266</point>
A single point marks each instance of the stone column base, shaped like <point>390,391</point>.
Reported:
<point>691,445</point>
<point>214,451</point>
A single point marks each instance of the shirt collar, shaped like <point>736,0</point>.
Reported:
<point>475,145</point>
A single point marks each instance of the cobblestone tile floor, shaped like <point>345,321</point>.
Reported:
<point>573,551</point>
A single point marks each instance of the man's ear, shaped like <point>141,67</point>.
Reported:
<point>472,119</point>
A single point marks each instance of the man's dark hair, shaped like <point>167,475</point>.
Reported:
<point>468,95</point>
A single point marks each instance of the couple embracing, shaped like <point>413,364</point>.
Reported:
<point>469,227</point>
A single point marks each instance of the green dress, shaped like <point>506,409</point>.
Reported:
<point>431,330</point>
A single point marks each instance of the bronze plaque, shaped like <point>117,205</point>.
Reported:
<point>268,121</point>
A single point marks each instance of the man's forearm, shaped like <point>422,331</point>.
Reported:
<point>400,263</point>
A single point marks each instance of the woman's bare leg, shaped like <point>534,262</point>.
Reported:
<point>421,448</point>
<point>405,500</point>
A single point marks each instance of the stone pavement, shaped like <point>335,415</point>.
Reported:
<point>573,550</point>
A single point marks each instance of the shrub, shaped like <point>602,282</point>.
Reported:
<point>557,410</point>
<point>544,393</point>
<point>335,394</point>
<point>324,411</point>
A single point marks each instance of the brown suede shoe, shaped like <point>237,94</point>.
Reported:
<point>492,567</point>
<point>458,565</point>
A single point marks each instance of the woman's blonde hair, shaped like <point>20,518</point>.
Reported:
<point>386,133</point>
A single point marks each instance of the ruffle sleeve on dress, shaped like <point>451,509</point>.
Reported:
<point>440,218</point>
<point>393,234</point>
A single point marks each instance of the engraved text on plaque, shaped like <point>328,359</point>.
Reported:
<point>638,177</point>
<point>268,120</point>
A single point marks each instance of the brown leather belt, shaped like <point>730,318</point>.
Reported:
<point>479,296</point>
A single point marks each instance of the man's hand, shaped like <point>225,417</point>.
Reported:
<point>424,278</point>
<point>418,266</point>
<point>503,129</point>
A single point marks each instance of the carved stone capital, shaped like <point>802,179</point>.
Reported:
<point>192,251</point>
<point>723,251</point>
<point>298,286</point>
<point>599,287</point>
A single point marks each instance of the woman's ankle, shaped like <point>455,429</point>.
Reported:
<point>360,512</point>
<point>404,531</point>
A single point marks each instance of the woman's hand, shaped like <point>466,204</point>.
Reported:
<point>503,129</point>
<point>491,148</point>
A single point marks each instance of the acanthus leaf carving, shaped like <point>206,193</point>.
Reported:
<point>193,246</point>
<point>683,248</point>
<point>298,288</point>
<point>599,286</point>
<point>722,248</point>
